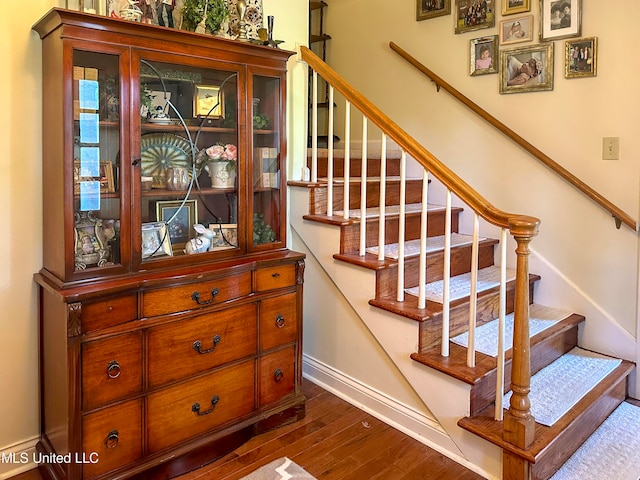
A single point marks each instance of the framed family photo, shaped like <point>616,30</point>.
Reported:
<point>432,8</point>
<point>581,58</point>
<point>516,30</point>
<point>510,7</point>
<point>526,69</point>
<point>483,55</point>
<point>474,14</point>
<point>225,236</point>
<point>560,19</point>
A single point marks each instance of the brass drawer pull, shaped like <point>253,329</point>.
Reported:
<point>196,296</point>
<point>275,275</point>
<point>278,376</point>
<point>280,321</point>
<point>196,407</point>
<point>112,439</point>
<point>113,369</point>
<point>197,345</point>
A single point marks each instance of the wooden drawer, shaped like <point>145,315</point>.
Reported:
<point>106,313</point>
<point>112,436</point>
<point>111,369</point>
<point>199,406</point>
<point>277,376</point>
<point>180,349</point>
<point>195,295</point>
<point>278,321</point>
<point>275,277</point>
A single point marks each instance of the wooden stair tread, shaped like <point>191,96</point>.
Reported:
<point>590,411</point>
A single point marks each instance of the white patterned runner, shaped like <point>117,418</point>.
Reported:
<point>611,453</point>
<point>459,286</point>
<point>560,385</point>
<point>412,247</point>
<point>486,338</point>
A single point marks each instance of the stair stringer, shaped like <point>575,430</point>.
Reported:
<point>446,398</point>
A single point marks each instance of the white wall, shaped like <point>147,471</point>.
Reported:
<point>20,186</point>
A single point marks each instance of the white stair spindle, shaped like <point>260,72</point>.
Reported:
<point>314,128</point>
<point>330,156</point>
<point>446,278</point>
<point>473,294</point>
<point>383,197</point>
<point>401,222</point>
<point>422,275</point>
<point>347,159</point>
<point>501,326</point>
<point>363,189</point>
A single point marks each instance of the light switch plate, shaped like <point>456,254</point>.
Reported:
<point>610,148</point>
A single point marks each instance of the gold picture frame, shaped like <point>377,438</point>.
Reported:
<point>208,101</point>
<point>510,7</point>
<point>180,219</point>
<point>516,30</point>
<point>581,57</point>
<point>432,8</point>
<point>105,176</point>
<point>479,62</point>
<point>526,69</point>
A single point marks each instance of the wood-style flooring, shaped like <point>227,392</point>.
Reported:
<point>335,441</point>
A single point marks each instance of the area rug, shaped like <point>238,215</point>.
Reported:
<point>611,452</point>
<point>560,385</point>
<point>486,338</point>
<point>412,247</point>
<point>459,286</point>
<point>280,469</point>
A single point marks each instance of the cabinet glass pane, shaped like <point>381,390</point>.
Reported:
<point>96,146</point>
<point>189,160</point>
<point>267,205</point>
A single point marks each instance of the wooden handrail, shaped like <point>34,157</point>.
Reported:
<point>619,215</point>
<point>520,223</point>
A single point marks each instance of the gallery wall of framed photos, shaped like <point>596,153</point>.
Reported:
<point>522,39</point>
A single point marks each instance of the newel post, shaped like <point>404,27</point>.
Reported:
<point>519,424</point>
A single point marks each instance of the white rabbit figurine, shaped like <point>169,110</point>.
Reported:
<point>201,243</point>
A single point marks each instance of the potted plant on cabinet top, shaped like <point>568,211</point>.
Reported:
<point>213,12</point>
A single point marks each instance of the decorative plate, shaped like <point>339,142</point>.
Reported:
<point>160,151</point>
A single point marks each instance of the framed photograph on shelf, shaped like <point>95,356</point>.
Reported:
<point>225,236</point>
<point>560,19</point>
<point>180,220</point>
<point>526,69</point>
<point>474,15</point>
<point>516,30</point>
<point>432,8</point>
<point>208,101</point>
<point>483,55</point>
<point>155,240</point>
<point>510,7</point>
<point>581,58</point>
<point>104,175</point>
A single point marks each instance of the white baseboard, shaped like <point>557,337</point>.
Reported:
<point>17,458</point>
<point>409,421</point>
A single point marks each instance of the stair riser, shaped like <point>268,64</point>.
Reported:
<point>487,309</point>
<point>373,166</point>
<point>350,234</point>
<point>318,199</point>
<point>387,280</point>
<point>542,354</point>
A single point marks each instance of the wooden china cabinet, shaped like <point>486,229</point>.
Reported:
<point>171,309</point>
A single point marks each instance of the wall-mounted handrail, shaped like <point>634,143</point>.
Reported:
<point>619,215</point>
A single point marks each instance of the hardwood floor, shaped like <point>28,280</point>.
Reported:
<point>335,441</point>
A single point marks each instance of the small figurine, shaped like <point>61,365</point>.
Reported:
<point>201,243</point>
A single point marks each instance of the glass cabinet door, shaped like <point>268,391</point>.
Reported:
<point>96,150</point>
<point>190,161</point>
<point>268,206</point>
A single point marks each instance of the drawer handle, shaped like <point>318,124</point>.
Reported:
<point>280,321</point>
<point>275,275</point>
<point>278,376</point>
<point>196,407</point>
<point>197,345</point>
<point>112,439</point>
<point>196,296</point>
<point>113,369</point>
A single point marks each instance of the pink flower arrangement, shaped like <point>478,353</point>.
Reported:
<point>228,152</point>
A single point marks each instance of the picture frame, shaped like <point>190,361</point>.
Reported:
<point>180,219</point>
<point>105,176</point>
<point>510,7</point>
<point>474,15</point>
<point>483,55</point>
<point>560,19</point>
<point>581,58</point>
<point>516,30</point>
<point>91,241</point>
<point>208,101</point>
<point>225,236</point>
<point>526,69</point>
<point>155,240</point>
<point>432,8</point>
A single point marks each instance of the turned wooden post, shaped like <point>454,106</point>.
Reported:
<point>519,424</point>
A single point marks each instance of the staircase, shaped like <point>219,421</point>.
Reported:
<point>554,332</point>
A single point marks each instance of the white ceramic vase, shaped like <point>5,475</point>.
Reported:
<point>222,174</point>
